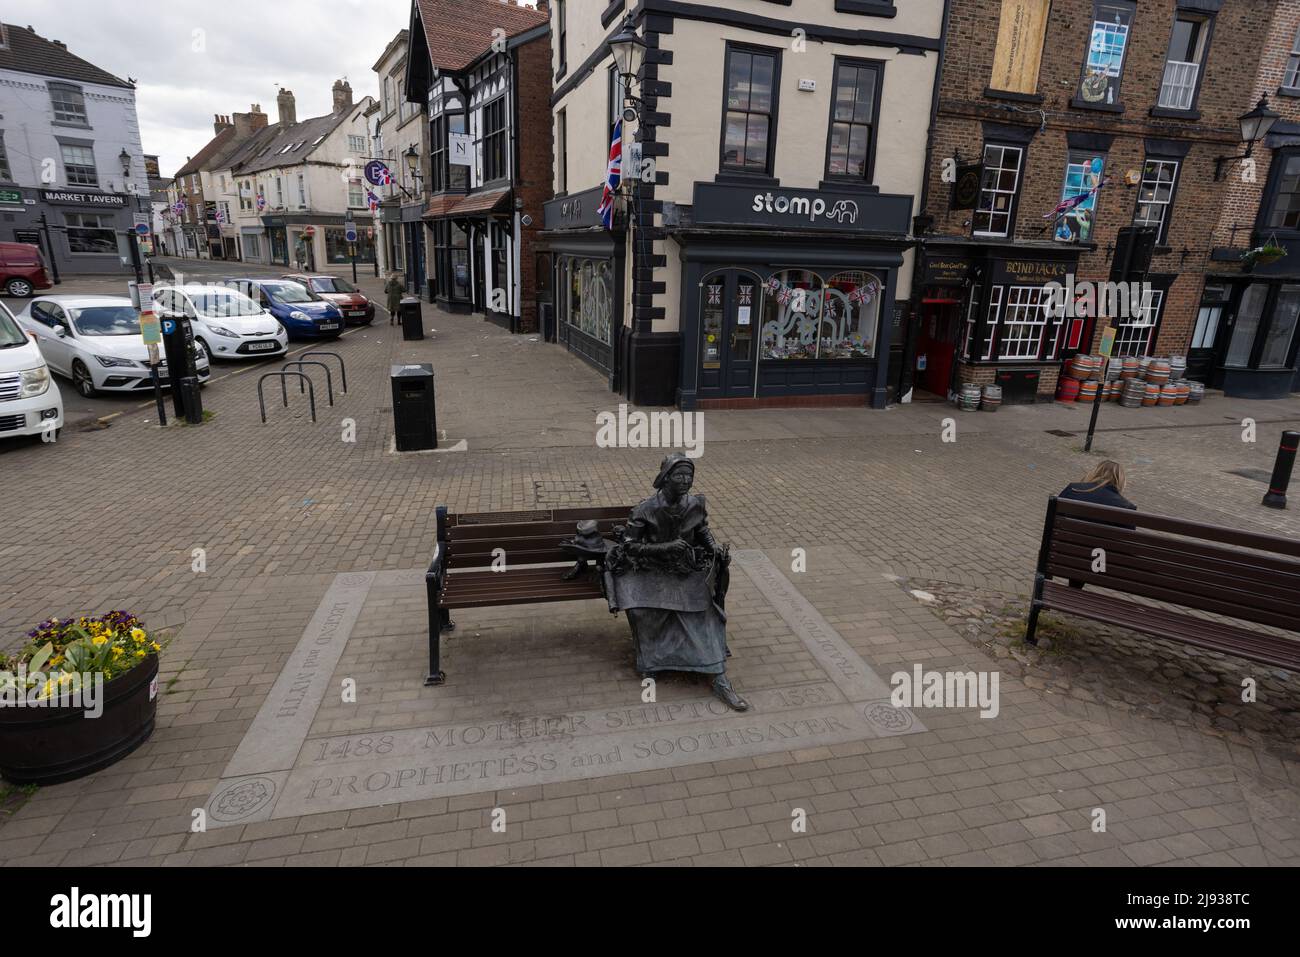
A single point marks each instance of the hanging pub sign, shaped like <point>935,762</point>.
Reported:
<point>1030,272</point>
<point>966,187</point>
<point>1019,51</point>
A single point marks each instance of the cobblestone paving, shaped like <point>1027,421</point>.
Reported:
<point>111,519</point>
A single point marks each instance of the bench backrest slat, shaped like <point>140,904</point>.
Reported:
<point>1231,562</point>
<point>1215,575</point>
<point>1276,544</point>
<point>527,538</point>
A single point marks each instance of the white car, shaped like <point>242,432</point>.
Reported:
<point>95,341</point>
<point>30,402</point>
<point>227,324</point>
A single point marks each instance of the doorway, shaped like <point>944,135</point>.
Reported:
<point>936,344</point>
<point>728,315</point>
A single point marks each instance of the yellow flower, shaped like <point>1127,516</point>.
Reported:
<point>138,634</point>
<point>155,646</point>
<point>47,689</point>
<point>99,640</point>
<point>117,649</point>
<point>56,660</point>
<point>140,653</point>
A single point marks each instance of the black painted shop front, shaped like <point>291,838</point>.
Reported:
<point>787,295</point>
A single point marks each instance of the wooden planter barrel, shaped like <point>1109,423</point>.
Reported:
<point>48,745</point>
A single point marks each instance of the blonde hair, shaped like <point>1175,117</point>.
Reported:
<point>1103,474</point>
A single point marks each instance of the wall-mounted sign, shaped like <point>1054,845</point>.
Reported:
<point>727,205</point>
<point>82,198</point>
<point>460,149</point>
<point>1030,272</point>
<point>1019,49</point>
<point>577,211</point>
<point>11,196</point>
<point>966,187</point>
<point>945,269</point>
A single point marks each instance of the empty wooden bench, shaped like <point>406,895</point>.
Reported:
<point>461,574</point>
<point>1253,578</point>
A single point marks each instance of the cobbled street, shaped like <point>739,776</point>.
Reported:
<point>111,517</point>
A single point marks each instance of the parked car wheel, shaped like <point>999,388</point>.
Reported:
<point>207,353</point>
<point>82,381</point>
<point>19,287</point>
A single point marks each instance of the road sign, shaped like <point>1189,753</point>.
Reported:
<point>142,229</point>
<point>350,234</point>
<point>168,326</point>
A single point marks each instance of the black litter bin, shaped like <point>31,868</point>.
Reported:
<point>414,412</point>
<point>412,320</point>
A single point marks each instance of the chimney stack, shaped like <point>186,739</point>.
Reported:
<point>342,96</point>
<point>246,124</point>
<point>220,122</point>
<point>288,108</point>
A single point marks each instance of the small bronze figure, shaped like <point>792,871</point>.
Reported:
<point>670,575</point>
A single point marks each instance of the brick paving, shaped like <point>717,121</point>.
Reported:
<point>281,509</point>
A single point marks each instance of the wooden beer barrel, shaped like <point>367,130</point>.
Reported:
<point>1067,390</point>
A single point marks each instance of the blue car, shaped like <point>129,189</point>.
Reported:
<point>303,313</point>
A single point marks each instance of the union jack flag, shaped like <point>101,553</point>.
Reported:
<point>383,174</point>
<point>261,201</point>
<point>613,176</point>
<point>372,200</point>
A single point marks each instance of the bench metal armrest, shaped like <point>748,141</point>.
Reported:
<point>437,572</point>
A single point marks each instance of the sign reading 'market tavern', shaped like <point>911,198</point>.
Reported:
<point>83,198</point>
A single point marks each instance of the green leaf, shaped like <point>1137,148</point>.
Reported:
<point>40,658</point>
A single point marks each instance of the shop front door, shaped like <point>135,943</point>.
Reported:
<point>936,346</point>
<point>728,317</point>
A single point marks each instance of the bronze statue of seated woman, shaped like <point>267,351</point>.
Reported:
<point>670,575</point>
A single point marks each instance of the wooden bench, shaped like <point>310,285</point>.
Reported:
<point>1251,577</point>
<point>461,573</point>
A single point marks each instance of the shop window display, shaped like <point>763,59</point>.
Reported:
<point>589,285</point>
<point>806,318</point>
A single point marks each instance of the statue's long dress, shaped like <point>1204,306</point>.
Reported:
<point>675,624</point>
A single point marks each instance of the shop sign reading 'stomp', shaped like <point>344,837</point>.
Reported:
<point>842,211</point>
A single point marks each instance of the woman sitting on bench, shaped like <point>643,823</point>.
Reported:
<point>1104,485</point>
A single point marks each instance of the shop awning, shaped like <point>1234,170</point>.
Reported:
<point>457,205</point>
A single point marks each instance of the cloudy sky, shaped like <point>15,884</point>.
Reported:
<point>243,52</point>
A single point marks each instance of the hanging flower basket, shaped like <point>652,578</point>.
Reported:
<point>1264,255</point>
<point>79,696</point>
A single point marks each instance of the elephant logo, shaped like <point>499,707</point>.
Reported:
<point>844,209</point>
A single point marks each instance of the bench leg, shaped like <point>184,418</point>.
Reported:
<point>447,623</point>
<point>437,618</point>
<point>1032,628</point>
<point>1035,606</point>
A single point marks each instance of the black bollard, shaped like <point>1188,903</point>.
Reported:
<point>1275,497</point>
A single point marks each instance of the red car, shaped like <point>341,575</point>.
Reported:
<point>356,308</point>
<point>22,270</point>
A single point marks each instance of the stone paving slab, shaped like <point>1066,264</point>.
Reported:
<point>520,746</point>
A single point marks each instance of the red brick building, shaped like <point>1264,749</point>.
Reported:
<point>481,69</point>
<point>1039,101</point>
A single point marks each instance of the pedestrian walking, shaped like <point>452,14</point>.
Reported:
<point>394,290</point>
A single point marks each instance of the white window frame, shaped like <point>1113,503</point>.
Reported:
<point>972,319</point>
<point>1023,304</point>
<point>1291,78</point>
<point>1164,204</point>
<point>1180,78</point>
<point>998,191</point>
<point>1133,336</point>
<point>995,316</point>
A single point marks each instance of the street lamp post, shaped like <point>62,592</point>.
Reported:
<point>133,243</point>
<point>629,54</point>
